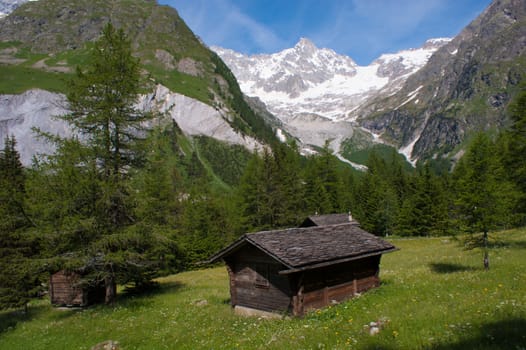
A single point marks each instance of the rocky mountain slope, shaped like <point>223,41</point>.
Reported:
<point>309,80</point>
<point>465,87</point>
<point>316,92</point>
<point>8,6</point>
<point>425,102</point>
<point>41,43</point>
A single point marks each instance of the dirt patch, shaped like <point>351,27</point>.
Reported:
<point>11,60</point>
<point>55,69</point>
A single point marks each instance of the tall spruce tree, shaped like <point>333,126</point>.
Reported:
<point>516,149</point>
<point>18,277</point>
<point>377,200</point>
<point>424,209</point>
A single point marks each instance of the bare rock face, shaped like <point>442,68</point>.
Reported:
<point>165,58</point>
<point>19,114</point>
<point>465,86</point>
<point>189,66</point>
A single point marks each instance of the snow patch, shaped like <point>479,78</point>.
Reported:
<point>281,136</point>
<point>356,166</point>
<point>411,96</point>
<point>408,150</point>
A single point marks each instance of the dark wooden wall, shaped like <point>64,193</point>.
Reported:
<point>64,289</point>
<point>336,283</point>
<point>255,282</point>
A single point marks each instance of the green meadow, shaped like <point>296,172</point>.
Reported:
<point>434,295</point>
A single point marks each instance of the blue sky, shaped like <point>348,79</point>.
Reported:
<point>361,29</point>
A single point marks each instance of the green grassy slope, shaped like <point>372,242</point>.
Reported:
<point>434,295</point>
<point>43,42</point>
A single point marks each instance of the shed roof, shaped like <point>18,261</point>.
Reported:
<point>328,219</point>
<point>307,248</point>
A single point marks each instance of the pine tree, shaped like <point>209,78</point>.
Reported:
<point>18,276</point>
<point>424,210</point>
<point>514,158</point>
<point>250,194</point>
<point>377,201</point>
<point>289,187</point>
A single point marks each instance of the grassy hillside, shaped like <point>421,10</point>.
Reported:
<point>434,295</point>
<point>43,42</point>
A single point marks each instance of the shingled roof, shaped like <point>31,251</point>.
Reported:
<point>311,247</point>
<point>328,219</point>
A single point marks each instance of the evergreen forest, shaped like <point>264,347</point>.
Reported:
<point>131,198</point>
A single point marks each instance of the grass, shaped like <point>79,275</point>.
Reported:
<point>434,295</point>
<point>17,79</point>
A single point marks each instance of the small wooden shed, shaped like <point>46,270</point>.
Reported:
<point>67,289</point>
<point>296,270</point>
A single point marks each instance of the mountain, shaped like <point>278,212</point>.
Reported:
<point>8,6</point>
<point>465,87</point>
<point>425,102</point>
<point>315,92</point>
<point>320,81</point>
<point>42,42</point>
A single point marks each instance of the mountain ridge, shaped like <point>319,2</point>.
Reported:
<point>465,87</point>
<point>50,38</point>
<point>425,102</point>
<point>315,92</point>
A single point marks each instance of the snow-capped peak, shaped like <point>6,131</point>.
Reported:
<point>305,46</point>
<point>309,80</point>
<point>394,65</point>
<point>317,93</point>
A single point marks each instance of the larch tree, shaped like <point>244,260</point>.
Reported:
<point>102,96</point>
<point>483,197</point>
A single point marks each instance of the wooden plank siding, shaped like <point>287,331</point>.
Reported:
<point>323,287</point>
<point>300,269</point>
<point>256,283</point>
<point>64,289</point>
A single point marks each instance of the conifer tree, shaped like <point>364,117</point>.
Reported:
<point>18,277</point>
<point>514,157</point>
<point>483,197</point>
<point>289,187</point>
<point>424,209</point>
<point>250,194</point>
<point>377,200</point>
<point>99,226</point>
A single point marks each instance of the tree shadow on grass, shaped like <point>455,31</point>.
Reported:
<point>450,268</point>
<point>142,295</point>
<point>501,335</point>
<point>10,319</point>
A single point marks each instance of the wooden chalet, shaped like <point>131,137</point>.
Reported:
<point>328,219</point>
<point>68,289</point>
<point>296,270</point>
